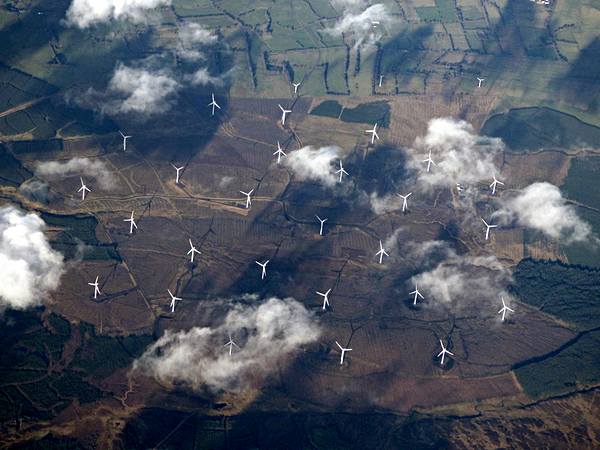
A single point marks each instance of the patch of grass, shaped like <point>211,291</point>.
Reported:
<point>70,384</point>
<point>12,173</point>
<point>568,292</point>
<point>375,112</point>
<point>574,367</point>
<point>328,108</point>
<point>531,129</point>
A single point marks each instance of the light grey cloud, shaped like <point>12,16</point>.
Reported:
<point>191,38</point>
<point>84,13</point>
<point>385,204</point>
<point>357,19</point>
<point>29,267</point>
<point>542,207</point>
<point>84,167</point>
<point>37,191</point>
<point>143,90</point>
<point>461,156</point>
<point>267,334</point>
<point>203,77</point>
<point>314,164</point>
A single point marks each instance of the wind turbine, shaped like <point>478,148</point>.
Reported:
<point>192,251</point>
<point>443,353</point>
<point>264,268</point>
<point>429,161</point>
<point>322,221</point>
<point>83,189</point>
<point>341,171</point>
<point>173,300</point>
<point>96,289</point>
<point>279,152</point>
<point>381,252</point>
<point>296,86</point>
<point>488,228</point>
<point>374,134</point>
<point>480,80</point>
<point>325,298</point>
<point>380,80</point>
<point>343,350</point>
<point>248,200</point>
<point>124,140</point>
<point>231,344</point>
<point>178,169</point>
<point>132,223</point>
<point>504,309</point>
<point>405,200</point>
<point>213,103</point>
<point>416,293</point>
<point>495,183</point>
<point>284,112</point>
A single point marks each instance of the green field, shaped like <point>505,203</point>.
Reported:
<point>532,129</point>
<point>578,186</point>
<point>328,108</point>
<point>570,293</point>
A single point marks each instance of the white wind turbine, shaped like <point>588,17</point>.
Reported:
<point>96,288</point>
<point>263,273</point>
<point>404,200</point>
<point>231,344</point>
<point>83,189</point>
<point>132,223</point>
<point>214,104</point>
<point>341,171</point>
<point>174,300</point>
<point>296,86</point>
<point>124,140</point>
<point>284,113</point>
<point>248,200</point>
<point>488,228</point>
<point>279,152</point>
<point>381,252</point>
<point>374,134</point>
<point>443,353</point>
<point>193,250</point>
<point>417,294</point>
<point>495,183</point>
<point>343,350</point>
<point>480,80</point>
<point>504,309</point>
<point>429,161</point>
<point>178,169</point>
<point>322,221</point>
<point>325,298</point>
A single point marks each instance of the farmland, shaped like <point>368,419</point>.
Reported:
<point>66,376</point>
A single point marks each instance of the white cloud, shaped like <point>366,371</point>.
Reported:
<point>309,163</point>
<point>191,36</point>
<point>458,282</point>
<point>357,18</point>
<point>267,333</point>
<point>83,13</point>
<point>141,90</point>
<point>461,156</point>
<point>77,166</point>
<point>203,77</point>
<point>29,267</point>
<point>382,205</point>
<point>37,191</point>
<point>542,207</point>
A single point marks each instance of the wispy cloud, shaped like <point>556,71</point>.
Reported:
<point>357,19</point>
<point>84,13</point>
<point>77,166</point>
<point>267,334</point>
<point>29,267</point>
<point>314,164</point>
<point>191,37</point>
<point>460,154</point>
<point>542,207</point>
<point>141,90</point>
<point>456,282</point>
